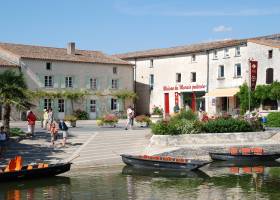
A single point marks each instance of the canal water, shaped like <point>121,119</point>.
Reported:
<point>213,182</point>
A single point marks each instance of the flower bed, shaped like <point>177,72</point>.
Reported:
<point>109,119</point>
<point>143,120</point>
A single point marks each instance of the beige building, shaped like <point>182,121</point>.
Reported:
<point>202,76</point>
<point>70,69</point>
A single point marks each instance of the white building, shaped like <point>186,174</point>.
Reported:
<point>203,76</point>
<point>69,69</point>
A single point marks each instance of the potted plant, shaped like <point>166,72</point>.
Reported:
<point>157,113</point>
<point>70,120</point>
<point>110,119</point>
<point>143,120</point>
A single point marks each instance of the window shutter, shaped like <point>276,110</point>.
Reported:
<point>55,81</point>
<point>98,113</point>
<point>75,82</point>
<point>87,82</point>
<point>41,104</point>
<point>41,79</point>
<point>98,83</point>
<point>120,105</point>
<point>119,86</point>
<point>109,83</point>
<point>55,108</point>
<point>62,81</point>
<point>109,104</point>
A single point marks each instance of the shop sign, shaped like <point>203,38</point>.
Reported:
<point>185,88</point>
<point>254,72</point>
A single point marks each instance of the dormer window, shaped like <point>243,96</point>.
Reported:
<point>215,54</point>
<point>115,70</point>
<point>237,51</point>
<point>151,63</point>
<point>193,58</point>
<point>48,66</point>
<point>270,54</point>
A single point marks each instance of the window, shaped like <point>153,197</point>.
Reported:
<point>221,72</point>
<point>114,104</point>
<point>48,81</point>
<point>193,76</point>
<point>92,105</point>
<point>48,66</point>
<point>226,53</point>
<point>68,81</point>
<point>237,70</point>
<point>269,75</point>
<point>237,51</point>
<point>60,105</point>
<point>115,84</point>
<point>151,63</point>
<point>151,81</point>
<point>215,54</point>
<point>270,54</point>
<point>93,83</point>
<point>178,77</point>
<point>115,70</point>
<point>269,104</point>
<point>47,103</point>
<point>193,58</point>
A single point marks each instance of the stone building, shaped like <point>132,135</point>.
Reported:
<point>70,69</point>
<point>203,76</point>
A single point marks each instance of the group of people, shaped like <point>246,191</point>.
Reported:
<point>48,124</point>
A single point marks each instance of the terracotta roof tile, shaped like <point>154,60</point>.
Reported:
<point>60,54</point>
<point>5,63</point>
<point>267,42</point>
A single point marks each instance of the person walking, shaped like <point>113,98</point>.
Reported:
<point>31,118</point>
<point>53,131</point>
<point>129,113</point>
<point>62,126</point>
<point>45,118</point>
<point>50,117</point>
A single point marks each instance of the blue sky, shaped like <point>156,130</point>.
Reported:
<point>116,26</point>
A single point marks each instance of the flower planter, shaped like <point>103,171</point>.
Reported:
<point>156,118</point>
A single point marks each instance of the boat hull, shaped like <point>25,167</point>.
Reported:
<point>142,163</point>
<point>229,157</point>
<point>52,170</point>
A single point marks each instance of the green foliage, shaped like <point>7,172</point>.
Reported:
<point>125,94</point>
<point>16,132</point>
<point>70,118</point>
<point>226,126</point>
<point>143,119</point>
<point>176,127</point>
<point>188,115</point>
<point>274,93</point>
<point>273,119</point>
<point>81,115</point>
<point>157,110</point>
<point>243,96</point>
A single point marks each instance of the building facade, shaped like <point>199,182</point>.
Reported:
<point>202,76</point>
<point>72,70</point>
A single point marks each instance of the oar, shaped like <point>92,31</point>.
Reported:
<point>74,158</point>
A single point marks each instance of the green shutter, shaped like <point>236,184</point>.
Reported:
<point>41,104</point>
<point>98,83</point>
<point>109,83</point>
<point>55,108</point>
<point>75,82</point>
<point>41,78</point>
<point>119,84</point>
<point>109,104</point>
<point>56,81</point>
<point>62,81</point>
<point>87,82</point>
<point>98,114</point>
<point>120,105</point>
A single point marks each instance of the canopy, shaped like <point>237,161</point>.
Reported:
<point>225,92</point>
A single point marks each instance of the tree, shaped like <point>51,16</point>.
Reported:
<point>125,94</point>
<point>13,92</point>
<point>262,93</point>
<point>243,96</point>
<point>274,93</point>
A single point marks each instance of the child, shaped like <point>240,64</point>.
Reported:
<point>3,139</point>
<point>64,128</point>
<point>53,130</point>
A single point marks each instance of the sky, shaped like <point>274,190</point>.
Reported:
<point>119,26</point>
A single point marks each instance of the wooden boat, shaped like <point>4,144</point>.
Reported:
<point>243,163</point>
<point>242,157</point>
<point>164,162</point>
<point>167,173</point>
<point>15,171</point>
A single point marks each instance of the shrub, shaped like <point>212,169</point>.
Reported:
<point>273,119</point>
<point>188,127</point>
<point>81,115</point>
<point>70,118</point>
<point>110,119</point>
<point>143,119</point>
<point>226,126</point>
<point>157,110</point>
<point>188,115</point>
<point>165,128</point>
<point>16,132</point>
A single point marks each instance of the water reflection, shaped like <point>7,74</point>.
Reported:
<point>217,181</point>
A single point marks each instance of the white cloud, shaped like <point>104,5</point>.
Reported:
<point>222,28</point>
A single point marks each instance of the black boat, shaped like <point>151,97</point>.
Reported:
<point>243,157</point>
<point>167,173</point>
<point>243,163</point>
<point>162,162</point>
<point>34,171</point>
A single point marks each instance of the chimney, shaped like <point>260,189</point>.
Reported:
<point>71,48</point>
